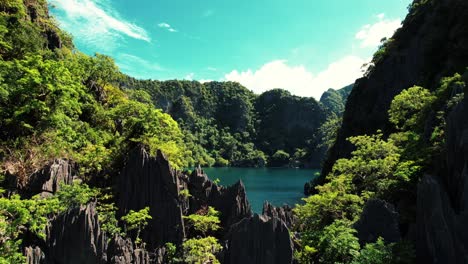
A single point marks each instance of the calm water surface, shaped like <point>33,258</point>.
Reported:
<point>277,185</point>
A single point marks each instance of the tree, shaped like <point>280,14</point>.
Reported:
<point>338,243</point>
<point>375,253</point>
<point>137,220</point>
<point>406,109</point>
<point>201,250</point>
<point>204,221</point>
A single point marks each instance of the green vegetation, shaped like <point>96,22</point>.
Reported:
<point>224,124</point>
<point>385,168</point>
<point>137,220</point>
<point>204,221</point>
<point>18,215</point>
<point>201,250</point>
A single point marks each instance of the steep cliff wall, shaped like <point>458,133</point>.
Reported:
<point>432,43</point>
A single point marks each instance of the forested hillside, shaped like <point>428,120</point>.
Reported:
<point>226,124</point>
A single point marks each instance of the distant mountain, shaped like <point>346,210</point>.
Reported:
<point>229,124</point>
<point>335,100</point>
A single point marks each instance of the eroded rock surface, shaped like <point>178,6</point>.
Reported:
<point>259,240</point>
<point>151,182</point>
<point>284,213</point>
<point>442,209</point>
<point>378,219</point>
<point>76,237</point>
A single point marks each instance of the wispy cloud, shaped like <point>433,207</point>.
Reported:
<point>166,26</point>
<point>370,35</point>
<point>96,22</point>
<point>138,67</point>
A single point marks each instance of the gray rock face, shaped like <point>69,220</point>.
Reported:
<point>284,213</point>
<point>259,240</point>
<point>121,251</point>
<point>431,44</point>
<point>34,255</point>
<point>150,181</point>
<point>47,181</point>
<point>76,237</point>
<point>378,219</point>
<point>230,201</point>
<point>442,211</point>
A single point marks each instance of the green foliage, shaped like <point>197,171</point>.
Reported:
<point>75,194</point>
<point>171,251</point>
<point>328,131</point>
<point>334,100</point>
<point>338,243</point>
<point>305,256</point>
<point>137,220</point>
<point>375,253</point>
<point>375,169</point>
<point>18,215</point>
<point>185,194</point>
<point>279,158</point>
<point>204,221</point>
<point>333,201</point>
<point>201,250</point>
<point>107,213</point>
<point>409,106</point>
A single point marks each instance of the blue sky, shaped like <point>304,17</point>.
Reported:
<point>305,46</point>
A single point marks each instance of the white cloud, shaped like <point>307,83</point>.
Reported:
<point>138,67</point>
<point>96,23</point>
<point>189,76</point>
<point>370,35</point>
<point>297,79</point>
<point>205,81</point>
<point>167,27</point>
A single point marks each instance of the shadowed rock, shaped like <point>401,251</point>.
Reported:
<point>442,209</point>
<point>34,255</point>
<point>259,240</point>
<point>284,213</point>
<point>378,219</point>
<point>76,237</point>
<point>230,201</point>
<point>150,182</point>
<point>47,181</point>
<point>121,251</point>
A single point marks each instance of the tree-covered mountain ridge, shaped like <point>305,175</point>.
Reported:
<point>225,124</point>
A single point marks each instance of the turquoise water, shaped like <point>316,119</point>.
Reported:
<point>277,185</point>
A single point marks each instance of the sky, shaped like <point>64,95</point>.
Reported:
<point>304,46</point>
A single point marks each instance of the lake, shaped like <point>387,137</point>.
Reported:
<point>277,185</point>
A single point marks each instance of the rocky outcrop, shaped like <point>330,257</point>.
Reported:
<point>150,182</point>
<point>378,219</point>
<point>432,43</point>
<point>259,240</point>
<point>284,213</point>
<point>34,255</point>
<point>76,237</point>
<point>230,201</point>
<point>122,251</point>
<point>442,209</point>
<point>47,181</point>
